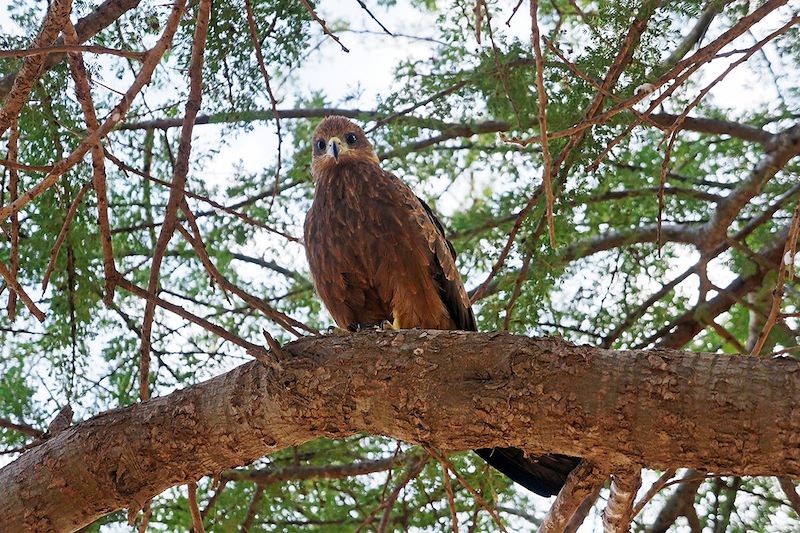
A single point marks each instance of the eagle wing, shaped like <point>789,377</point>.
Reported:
<point>445,272</point>
<point>543,475</point>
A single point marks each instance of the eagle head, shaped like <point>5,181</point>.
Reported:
<point>338,142</point>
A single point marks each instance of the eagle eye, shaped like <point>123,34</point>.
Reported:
<point>351,138</point>
<point>320,144</point>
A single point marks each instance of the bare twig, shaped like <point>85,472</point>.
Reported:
<point>252,509</point>
<point>436,454</point>
<point>365,8</point>
<point>13,191</point>
<point>388,503</point>
<point>542,101</point>
<point>183,313</point>
<point>678,501</point>
<point>251,23</point>
<point>322,23</point>
<point>580,514</point>
<point>14,285</point>
<point>272,475</point>
<point>62,234</point>
<point>286,322</point>
<point>451,501</point>
<point>478,10</point>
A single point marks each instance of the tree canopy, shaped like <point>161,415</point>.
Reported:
<point>619,174</point>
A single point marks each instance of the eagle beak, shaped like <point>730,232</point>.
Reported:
<point>334,147</point>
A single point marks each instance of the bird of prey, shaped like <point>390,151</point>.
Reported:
<point>378,254</point>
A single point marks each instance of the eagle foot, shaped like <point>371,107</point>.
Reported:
<point>335,330</point>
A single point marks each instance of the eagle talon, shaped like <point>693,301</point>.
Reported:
<point>335,330</point>
<point>385,325</point>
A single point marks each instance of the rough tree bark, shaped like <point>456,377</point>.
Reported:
<point>451,390</point>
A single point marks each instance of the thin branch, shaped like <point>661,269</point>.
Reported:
<point>197,520</point>
<point>138,56</point>
<point>716,127</point>
<point>251,23</point>
<point>15,286</point>
<point>252,509</point>
<point>251,348</point>
<point>696,34</point>
<point>618,513</point>
<point>180,172</point>
<point>584,480</point>
<point>436,454</point>
<point>286,322</point>
<point>272,475</point>
<point>547,169</point>
<point>451,500</point>
<point>387,504</point>
<point>365,8</point>
<point>675,506</point>
<point>791,493</point>
<point>322,23</point>
<point>787,263</point>
<point>84,96</point>
<point>62,235</point>
<point>13,191</point>
<point>26,429</point>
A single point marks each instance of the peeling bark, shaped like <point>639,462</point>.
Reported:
<point>450,390</point>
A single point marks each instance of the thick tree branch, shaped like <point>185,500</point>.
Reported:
<point>716,127</point>
<point>452,390</point>
<point>785,147</point>
<point>615,239</point>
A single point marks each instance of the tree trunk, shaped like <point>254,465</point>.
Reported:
<point>451,390</point>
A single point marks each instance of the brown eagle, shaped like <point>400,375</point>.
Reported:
<point>378,254</point>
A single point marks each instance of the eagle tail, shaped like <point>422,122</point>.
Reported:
<point>543,475</point>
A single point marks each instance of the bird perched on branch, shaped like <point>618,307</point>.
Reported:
<point>379,255</point>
